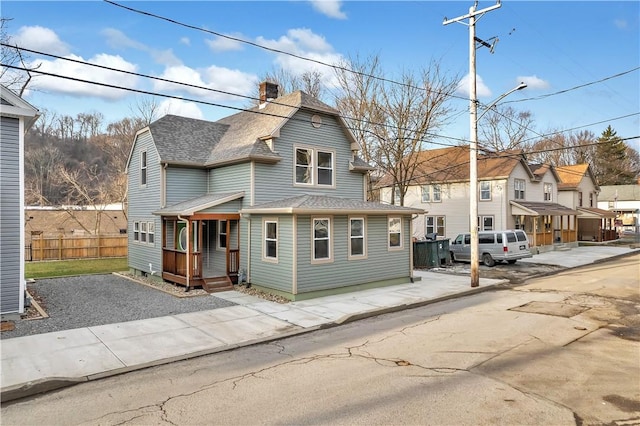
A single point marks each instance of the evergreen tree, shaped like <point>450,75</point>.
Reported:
<point>612,166</point>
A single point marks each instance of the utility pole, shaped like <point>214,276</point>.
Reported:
<point>473,144</point>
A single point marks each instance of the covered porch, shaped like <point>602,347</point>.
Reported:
<point>201,248</point>
<point>546,224</point>
<point>596,224</point>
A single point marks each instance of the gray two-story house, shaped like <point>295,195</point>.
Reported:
<point>16,117</point>
<point>274,196</point>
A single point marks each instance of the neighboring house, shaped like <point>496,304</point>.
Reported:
<point>511,195</point>
<point>16,117</point>
<point>579,190</point>
<point>624,201</point>
<point>274,195</point>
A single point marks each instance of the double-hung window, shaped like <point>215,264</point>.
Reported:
<point>431,193</point>
<point>151,232</point>
<point>395,232</point>
<point>519,186</point>
<point>548,188</point>
<point>485,223</point>
<point>591,199</point>
<point>314,167</point>
<point>321,234</point>
<point>485,191</point>
<point>435,225</point>
<point>357,245</point>
<point>143,168</point>
<point>270,252</point>
<point>143,232</point>
<point>136,231</point>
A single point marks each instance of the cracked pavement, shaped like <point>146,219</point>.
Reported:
<point>511,356</point>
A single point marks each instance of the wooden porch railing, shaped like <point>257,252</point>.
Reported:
<point>175,262</point>
<point>233,265</point>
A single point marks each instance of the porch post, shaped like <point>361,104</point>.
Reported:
<point>188,252</point>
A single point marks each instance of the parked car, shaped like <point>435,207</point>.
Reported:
<point>507,246</point>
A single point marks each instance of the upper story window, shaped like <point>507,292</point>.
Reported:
<point>396,196</point>
<point>314,167</point>
<point>431,193</point>
<point>395,232</point>
<point>143,168</point>
<point>519,186</point>
<point>591,199</point>
<point>579,199</point>
<point>485,191</point>
<point>548,188</point>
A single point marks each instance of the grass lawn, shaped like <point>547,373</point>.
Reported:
<point>65,268</point>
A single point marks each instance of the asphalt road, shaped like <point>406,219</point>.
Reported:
<point>561,350</point>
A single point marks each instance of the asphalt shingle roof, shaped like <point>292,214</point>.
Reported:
<point>192,205</point>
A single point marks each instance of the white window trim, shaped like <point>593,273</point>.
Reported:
<point>480,189</point>
<point>143,233</point>
<point>439,192</point>
<point>218,233</point>
<point>151,233</point>
<point>314,167</point>
<point>481,223</point>
<point>313,240</point>
<point>516,190</point>
<point>144,169</point>
<point>435,224</point>
<point>425,190</point>
<point>401,246</point>
<point>266,221</point>
<point>364,238</point>
<point>546,186</point>
<point>136,231</point>
<point>430,191</point>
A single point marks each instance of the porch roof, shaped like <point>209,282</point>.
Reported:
<point>531,208</point>
<point>193,205</point>
<point>321,204</point>
<point>595,213</point>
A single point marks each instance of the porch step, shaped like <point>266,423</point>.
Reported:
<point>213,285</point>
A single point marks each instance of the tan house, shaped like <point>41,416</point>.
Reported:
<point>579,190</point>
<point>511,195</point>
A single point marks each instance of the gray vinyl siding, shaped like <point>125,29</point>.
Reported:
<point>10,215</point>
<point>380,264</point>
<point>143,200</point>
<point>276,181</point>
<point>229,207</point>
<point>279,275</point>
<point>232,178</point>
<point>184,183</point>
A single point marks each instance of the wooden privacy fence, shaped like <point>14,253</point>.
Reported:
<point>85,247</point>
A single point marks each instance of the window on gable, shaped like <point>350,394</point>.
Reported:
<point>143,168</point>
<point>579,199</point>
<point>270,240</point>
<point>519,185</point>
<point>325,168</point>
<point>591,199</point>
<point>304,166</point>
<point>395,232</point>
<point>485,191</point>
<point>322,239</point>
<point>357,237</point>
<point>548,188</point>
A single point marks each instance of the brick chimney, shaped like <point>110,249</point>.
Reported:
<point>268,91</point>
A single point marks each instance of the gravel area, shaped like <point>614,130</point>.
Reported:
<point>90,300</point>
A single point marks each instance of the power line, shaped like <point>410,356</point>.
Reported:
<point>282,52</point>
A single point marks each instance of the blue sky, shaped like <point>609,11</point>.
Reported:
<point>552,46</point>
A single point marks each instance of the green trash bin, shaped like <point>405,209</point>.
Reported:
<point>431,253</point>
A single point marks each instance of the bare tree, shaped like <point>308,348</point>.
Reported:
<point>562,149</point>
<point>15,79</point>
<point>41,174</point>
<point>505,129</point>
<point>309,82</point>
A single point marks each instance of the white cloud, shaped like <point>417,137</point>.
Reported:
<point>228,80</point>
<point>305,43</point>
<point>330,8</point>
<point>180,107</point>
<point>620,23</point>
<point>118,40</point>
<point>222,44</point>
<point>185,41</point>
<point>165,57</point>
<point>40,38</point>
<point>533,82</point>
<point>481,89</point>
<point>85,72</point>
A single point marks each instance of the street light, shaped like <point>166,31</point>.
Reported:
<point>473,174</point>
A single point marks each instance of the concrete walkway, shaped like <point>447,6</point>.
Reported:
<point>34,364</point>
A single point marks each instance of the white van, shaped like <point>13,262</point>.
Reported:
<point>507,246</point>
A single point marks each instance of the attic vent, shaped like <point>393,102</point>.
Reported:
<point>268,91</point>
<point>316,121</point>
